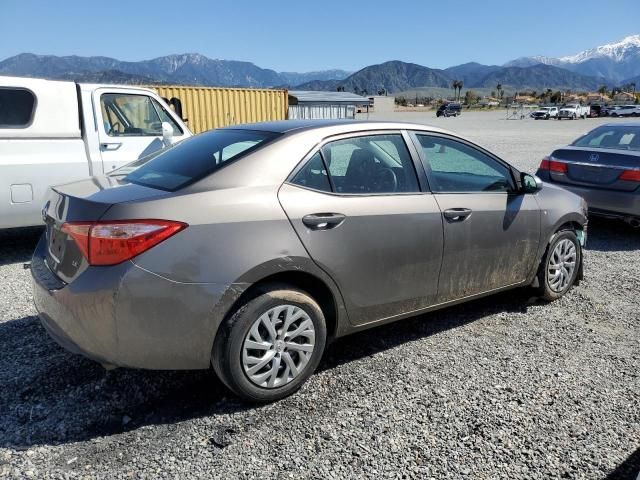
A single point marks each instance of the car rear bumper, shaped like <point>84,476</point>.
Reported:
<point>126,316</point>
<point>608,203</point>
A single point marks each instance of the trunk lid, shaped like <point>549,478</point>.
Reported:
<point>599,168</point>
<point>85,200</point>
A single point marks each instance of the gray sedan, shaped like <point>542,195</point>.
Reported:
<point>602,166</point>
<point>249,248</point>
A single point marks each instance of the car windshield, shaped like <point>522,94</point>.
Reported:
<point>194,158</point>
<point>618,137</point>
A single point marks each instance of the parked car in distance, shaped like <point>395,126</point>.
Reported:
<point>596,111</point>
<point>54,132</point>
<point>250,247</point>
<point>451,109</point>
<point>625,111</point>
<point>608,110</point>
<point>545,113</point>
<point>603,167</point>
<point>573,111</point>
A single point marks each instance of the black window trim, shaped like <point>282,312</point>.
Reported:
<point>360,133</point>
<point>513,172</point>
<point>33,109</point>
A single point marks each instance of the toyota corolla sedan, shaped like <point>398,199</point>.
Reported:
<point>603,166</point>
<point>248,248</point>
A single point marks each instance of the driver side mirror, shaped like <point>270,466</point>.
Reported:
<point>530,183</point>
<point>167,134</point>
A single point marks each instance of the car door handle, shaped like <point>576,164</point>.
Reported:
<point>110,145</point>
<point>457,214</point>
<point>323,221</point>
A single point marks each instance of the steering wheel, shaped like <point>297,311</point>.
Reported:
<point>385,180</point>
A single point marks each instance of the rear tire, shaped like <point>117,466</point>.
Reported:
<point>262,322</point>
<point>560,265</point>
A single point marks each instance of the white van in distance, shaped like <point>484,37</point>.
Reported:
<point>54,132</point>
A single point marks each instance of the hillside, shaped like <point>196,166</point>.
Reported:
<point>539,76</point>
<point>391,76</point>
<point>471,73</point>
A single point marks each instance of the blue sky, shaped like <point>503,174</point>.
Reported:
<point>303,36</point>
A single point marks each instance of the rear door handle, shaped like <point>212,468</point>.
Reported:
<point>110,145</point>
<point>457,214</point>
<point>323,221</point>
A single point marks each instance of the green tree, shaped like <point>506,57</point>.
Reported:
<point>602,90</point>
<point>470,97</point>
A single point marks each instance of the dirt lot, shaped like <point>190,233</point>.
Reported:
<point>506,387</point>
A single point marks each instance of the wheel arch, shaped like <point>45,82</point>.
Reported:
<point>300,273</point>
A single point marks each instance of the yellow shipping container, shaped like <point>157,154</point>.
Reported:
<point>205,108</point>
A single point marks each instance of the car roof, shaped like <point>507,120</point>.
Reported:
<point>286,126</point>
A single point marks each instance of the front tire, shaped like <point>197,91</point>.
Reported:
<point>271,344</point>
<point>560,265</point>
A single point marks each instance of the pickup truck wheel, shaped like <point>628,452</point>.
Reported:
<point>560,265</point>
<point>270,345</point>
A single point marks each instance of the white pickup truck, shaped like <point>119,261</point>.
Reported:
<point>55,132</point>
<point>573,111</point>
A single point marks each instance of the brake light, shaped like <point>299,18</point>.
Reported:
<point>553,165</point>
<point>110,243</point>
<point>630,176</point>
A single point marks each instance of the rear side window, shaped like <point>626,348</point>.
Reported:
<point>17,106</point>
<point>614,137</point>
<point>195,158</point>
<point>375,164</point>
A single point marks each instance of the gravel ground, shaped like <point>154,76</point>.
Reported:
<point>505,387</point>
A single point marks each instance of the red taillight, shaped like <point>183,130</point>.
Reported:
<point>110,243</point>
<point>630,176</point>
<point>553,165</point>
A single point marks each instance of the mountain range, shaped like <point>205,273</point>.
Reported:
<point>182,69</point>
<point>612,65</point>
<point>615,62</point>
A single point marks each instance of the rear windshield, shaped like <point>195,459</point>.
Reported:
<point>194,158</point>
<point>619,137</point>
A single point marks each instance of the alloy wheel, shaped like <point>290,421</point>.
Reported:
<point>562,264</point>
<point>278,346</point>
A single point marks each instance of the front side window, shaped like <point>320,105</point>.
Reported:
<point>372,164</point>
<point>453,166</point>
<point>194,158</point>
<point>17,106</point>
<point>614,137</point>
<point>133,115</point>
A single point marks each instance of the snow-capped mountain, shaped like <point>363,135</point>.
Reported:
<point>618,51</point>
<point>614,62</point>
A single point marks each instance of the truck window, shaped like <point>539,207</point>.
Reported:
<point>17,106</point>
<point>131,115</point>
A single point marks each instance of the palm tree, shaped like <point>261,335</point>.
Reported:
<point>454,85</point>
<point>460,85</point>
